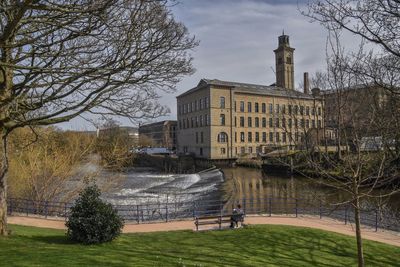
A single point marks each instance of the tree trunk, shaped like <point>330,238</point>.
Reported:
<point>357,220</point>
<point>3,187</point>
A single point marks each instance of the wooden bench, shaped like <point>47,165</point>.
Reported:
<point>208,220</point>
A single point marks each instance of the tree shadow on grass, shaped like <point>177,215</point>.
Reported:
<point>52,240</point>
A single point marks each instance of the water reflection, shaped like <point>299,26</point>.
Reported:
<point>246,183</point>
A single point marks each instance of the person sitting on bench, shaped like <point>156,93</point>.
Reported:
<point>237,216</point>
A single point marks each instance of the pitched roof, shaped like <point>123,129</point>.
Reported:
<point>249,88</point>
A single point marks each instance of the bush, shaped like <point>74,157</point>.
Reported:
<point>92,220</point>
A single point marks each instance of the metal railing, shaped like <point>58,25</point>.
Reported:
<point>179,209</point>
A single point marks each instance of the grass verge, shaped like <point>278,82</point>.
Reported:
<point>266,245</point>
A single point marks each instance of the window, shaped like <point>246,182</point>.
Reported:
<point>197,137</point>
<point>319,111</point>
<point>271,137</point>
<point>249,137</point>
<point>307,124</point>
<point>192,122</point>
<point>201,121</point>
<point>241,121</point>
<point>277,122</point>
<point>223,150</point>
<point>301,110</point>
<point>264,137</point>
<point>277,108</point>
<point>313,111</point>
<point>271,108</point>
<point>192,107</point>
<point>313,123</point>
<point>256,108</point>
<point>201,103</point>
<point>242,150</point>
<point>296,123</point>
<point>241,106</point>
<point>277,138</point>
<point>206,102</point>
<point>271,122</point>
<point>249,122</point>
<point>241,136</point>
<point>197,121</point>
<point>319,124</point>
<point>248,106</point>
<point>222,102</point>
<point>222,137</point>
<point>256,122</point>
<point>257,137</point>
<point>290,109</point>
<point>280,60</point>
<point>290,123</point>
<point>250,150</point>
<point>201,151</point>
<point>302,124</point>
<point>201,137</point>
<point>296,137</point>
<point>307,110</point>
<point>235,121</point>
<point>283,122</point>
<point>206,120</point>
<point>197,105</point>
<point>222,119</point>
<point>235,137</point>
<point>263,108</point>
<point>264,122</point>
<point>288,60</point>
<point>296,109</point>
<point>283,109</point>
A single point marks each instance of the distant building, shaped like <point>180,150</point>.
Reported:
<point>226,120</point>
<point>354,106</point>
<point>131,132</point>
<point>160,134</point>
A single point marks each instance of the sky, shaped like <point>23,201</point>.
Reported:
<point>237,39</point>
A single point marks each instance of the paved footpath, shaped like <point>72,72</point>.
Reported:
<point>389,237</point>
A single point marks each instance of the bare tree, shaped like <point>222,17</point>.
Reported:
<point>364,87</point>
<point>60,59</point>
<point>43,170</point>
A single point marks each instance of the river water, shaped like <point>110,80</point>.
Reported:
<point>229,185</point>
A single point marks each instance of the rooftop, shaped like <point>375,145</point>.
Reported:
<point>249,88</point>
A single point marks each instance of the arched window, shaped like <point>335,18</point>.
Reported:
<point>222,137</point>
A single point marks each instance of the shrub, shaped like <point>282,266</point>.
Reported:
<point>92,220</point>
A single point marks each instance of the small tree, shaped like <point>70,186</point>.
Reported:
<point>92,220</point>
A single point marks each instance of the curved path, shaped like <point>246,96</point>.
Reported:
<point>388,237</point>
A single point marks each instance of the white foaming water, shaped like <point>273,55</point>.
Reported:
<point>147,187</point>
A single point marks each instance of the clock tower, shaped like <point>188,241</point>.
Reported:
<point>284,63</point>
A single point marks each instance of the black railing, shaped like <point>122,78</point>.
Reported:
<point>178,209</point>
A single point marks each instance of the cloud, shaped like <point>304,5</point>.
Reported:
<point>237,39</point>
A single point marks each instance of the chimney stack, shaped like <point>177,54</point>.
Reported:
<point>306,83</point>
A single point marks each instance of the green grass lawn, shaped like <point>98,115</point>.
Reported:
<point>252,246</point>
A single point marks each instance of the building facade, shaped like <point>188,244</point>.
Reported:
<point>226,120</point>
<point>160,134</point>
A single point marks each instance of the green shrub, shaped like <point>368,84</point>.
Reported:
<point>92,220</point>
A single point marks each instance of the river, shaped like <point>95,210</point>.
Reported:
<point>231,185</point>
